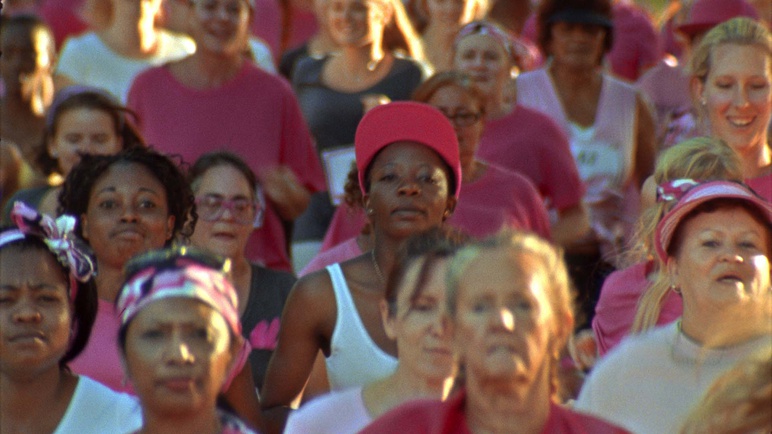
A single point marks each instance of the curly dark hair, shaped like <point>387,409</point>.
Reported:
<point>94,100</point>
<point>84,305</point>
<point>76,191</point>
<point>549,8</point>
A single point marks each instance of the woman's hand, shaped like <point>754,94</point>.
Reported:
<point>284,189</point>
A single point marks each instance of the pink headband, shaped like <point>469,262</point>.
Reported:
<point>58,235</point>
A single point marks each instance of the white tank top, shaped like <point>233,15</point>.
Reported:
<point>603,152</point>
<point>355,360</point>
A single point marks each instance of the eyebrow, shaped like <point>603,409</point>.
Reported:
<point>112,189</point>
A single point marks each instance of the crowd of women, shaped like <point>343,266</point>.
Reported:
<point>445,217</point>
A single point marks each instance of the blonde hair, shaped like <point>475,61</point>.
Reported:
<point>399,35</point>
<point>739,31</point>
<point>550,263</point>
<point>701,158</point>
<point>738,401</point>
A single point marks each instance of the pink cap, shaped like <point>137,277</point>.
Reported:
<point>406,121</point>
<point>696,196</point>
<point>706,14</point>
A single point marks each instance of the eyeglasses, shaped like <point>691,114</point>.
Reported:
<point>211,207</point>
<point>464,119</point>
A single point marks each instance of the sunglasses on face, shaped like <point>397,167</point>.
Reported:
<point>211,207</point>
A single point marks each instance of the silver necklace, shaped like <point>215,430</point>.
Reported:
<point>377,268</point>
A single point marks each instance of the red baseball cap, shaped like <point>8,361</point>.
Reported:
<point>406,121</point>
<point>706,14</point>
<point>698,195</point>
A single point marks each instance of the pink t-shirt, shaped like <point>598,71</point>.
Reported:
<point>500,198</point>
<point>255,115</point>
<point>449,417</point>
<point>101,360</point>
<point>532,144</point>
<point>762,186</point>
<point>342,252</point>
<point>618,302</point>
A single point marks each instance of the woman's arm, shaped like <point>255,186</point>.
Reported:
<point>242,397</point>
<point>306,327</point>
<point>572,224</point>
<point>285,190</point>
<point>645,142</point>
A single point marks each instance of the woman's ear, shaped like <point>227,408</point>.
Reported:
<point>84,226</point>
<point>389,321</point>
<point>170,227</point>
<point>671,268</point>
<point>698,90</point>
<point>451,206</point>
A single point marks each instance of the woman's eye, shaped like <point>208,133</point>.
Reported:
<point>147,204</point>
<point>748,245</point>
<point>388,177</point>
<point>73,138</point>
<point>152,334</point>
<point>710,243</point>
<point>108,204</point>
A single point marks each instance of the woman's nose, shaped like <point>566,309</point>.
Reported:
<point>178,351</point>
<point>503,319</point>
<point>409,187</point>
<point>26,312</point>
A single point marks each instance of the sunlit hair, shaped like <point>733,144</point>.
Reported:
<point>737,31</point>
<point>441,80</point>
<point>549,260</point>
<point>473,10</point>
<point>699,158</point>
<point>429,247</point>
<point>739,401</point>
<point>399,35</point>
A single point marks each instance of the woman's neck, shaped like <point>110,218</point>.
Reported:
<point>572,78</point>
<point>33,402</point>
<point>132,39</point>
<point>440,38</point>
<point>383,395</point>
<point>757,161</point>
<point>108,281</point>
<point>496,106</point>
<point>473,172</point>
<point>361,60</point>
<point>719,327</point>
<point>204,421</point>
<point>498,407</point>
<point>205,70</point>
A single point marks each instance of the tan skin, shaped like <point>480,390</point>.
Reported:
<point>359,49</point>
<point>578,82</point>
<point>404,172</point>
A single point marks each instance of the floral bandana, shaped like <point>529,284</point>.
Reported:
<point>189,280</point>
<point>59,237</point>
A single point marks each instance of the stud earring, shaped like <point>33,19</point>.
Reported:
<point>370,211</point>
<point>703,102</point>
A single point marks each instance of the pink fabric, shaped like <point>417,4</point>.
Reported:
<point>100,359</point>
<point>437,417</point>
<point>618,302</point>
<point>346,223</point>
<point>762,186</point>
<point>63,19</point>
<point>267,25</point>
<point>342,252</point>
<point>636,45</point>
<point>667,89</point>
<point>530,143</point>
<point>255,115</point>
<point>500,198</point>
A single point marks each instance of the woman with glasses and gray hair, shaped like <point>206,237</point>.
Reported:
<point>230,206</point>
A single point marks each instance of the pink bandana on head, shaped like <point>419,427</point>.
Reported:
<point>188,280</point>
<point>58,235</point>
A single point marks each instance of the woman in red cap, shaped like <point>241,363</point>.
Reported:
<point>409,173</point>
<point>732,82</point>
<point>715,246</point>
